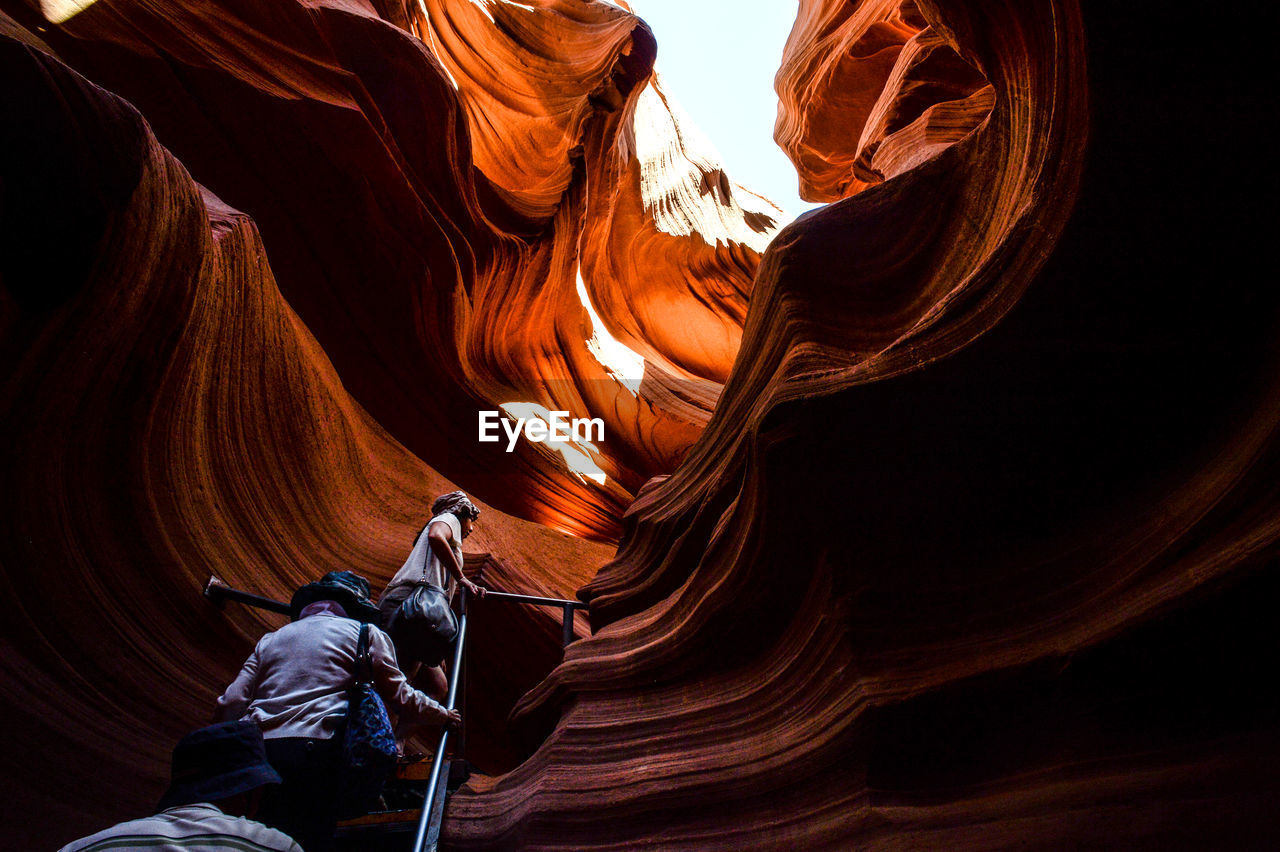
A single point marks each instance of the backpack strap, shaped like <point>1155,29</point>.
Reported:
<point>363,667</point>
<point>426,557</point>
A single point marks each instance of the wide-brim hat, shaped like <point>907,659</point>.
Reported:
<point>346,588</point>
<point>216,763</point>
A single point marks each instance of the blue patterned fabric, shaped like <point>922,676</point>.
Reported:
<point>368,746</point>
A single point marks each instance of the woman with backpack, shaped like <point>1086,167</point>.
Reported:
<point>416,605</point>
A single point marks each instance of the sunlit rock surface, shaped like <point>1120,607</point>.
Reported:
<point>871,89</point>
<point>169,417</point>
<point>956,517</point>
<point>435,288</point>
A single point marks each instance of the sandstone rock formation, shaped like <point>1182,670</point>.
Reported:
<point>947,512</point>
<point>168,417</point>
<point>882,71</point>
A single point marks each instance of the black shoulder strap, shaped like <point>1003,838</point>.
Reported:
<point>363,670</point>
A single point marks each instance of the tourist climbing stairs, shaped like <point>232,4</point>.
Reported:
<point>412,806</point>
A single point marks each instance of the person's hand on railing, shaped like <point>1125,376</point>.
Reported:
<point>472,588</point>
<point>454,721</point>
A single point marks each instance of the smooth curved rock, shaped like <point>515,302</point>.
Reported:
<point>436,291</point>
<point>876,70</point>
<point>169,417</point>
<point>972,552</point>
<point>954,520</point>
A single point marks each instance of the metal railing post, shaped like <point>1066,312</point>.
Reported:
<point>568,625</point>
<point>460,751</point>
<point>428,802</point>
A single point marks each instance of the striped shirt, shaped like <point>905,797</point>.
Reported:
<point>187,828</point>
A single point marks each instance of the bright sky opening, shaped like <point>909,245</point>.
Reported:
<point>718,59</point>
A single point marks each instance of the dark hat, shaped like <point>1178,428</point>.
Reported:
<point>344,587</point>
<point>218,762</point>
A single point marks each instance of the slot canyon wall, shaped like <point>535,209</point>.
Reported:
<point>942,517</point>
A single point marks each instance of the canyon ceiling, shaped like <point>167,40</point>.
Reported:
<point>945,516</point>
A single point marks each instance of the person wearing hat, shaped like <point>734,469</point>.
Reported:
<point>294,687</point>
<point>435,561</point>
<point>219,774</point>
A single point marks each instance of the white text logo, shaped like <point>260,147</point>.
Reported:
<point>559,429</point>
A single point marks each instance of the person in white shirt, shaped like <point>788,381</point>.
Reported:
<point>219,774</point>
<point>294,687</point>
<point>436,562</point>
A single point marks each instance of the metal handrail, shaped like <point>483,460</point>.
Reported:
<point>218,591</point>
<point>455,676</point>
<point>533,599</point>
<point>568,609</point>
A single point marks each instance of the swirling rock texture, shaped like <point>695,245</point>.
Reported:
<point>973,552</point>
<point>877,69</point>
<point>436,290</point>
<point>954,506</point>
<point>168,417</point>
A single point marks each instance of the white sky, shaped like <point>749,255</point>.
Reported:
<point>718,59</point>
